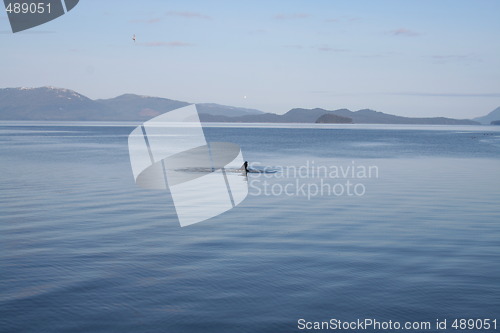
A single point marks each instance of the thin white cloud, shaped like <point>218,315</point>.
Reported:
<point>455,58</point>
<point>403,32</point>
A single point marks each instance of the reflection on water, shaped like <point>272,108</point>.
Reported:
<point>85,249</point>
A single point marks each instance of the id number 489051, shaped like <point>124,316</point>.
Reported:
<point>28,8</point>
<point>474,324</point>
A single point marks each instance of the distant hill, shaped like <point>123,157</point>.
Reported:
<point>49,103</point>
<point>492,116</point>
<point>365,116</point>
<point>292,116</point>
<point>495,122</point>
<point>135,107</point>
<point>330,118</point>
<point>261,118</point>
<point>224,110</point>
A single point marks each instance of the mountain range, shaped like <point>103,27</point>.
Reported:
<point>50,103</point>
<point>491,117</point>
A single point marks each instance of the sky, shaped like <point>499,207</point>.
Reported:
<point>410,58</point>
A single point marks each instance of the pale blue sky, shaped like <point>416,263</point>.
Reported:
<point>412,58</point>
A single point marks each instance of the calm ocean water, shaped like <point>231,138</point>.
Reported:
<point>83,249</point>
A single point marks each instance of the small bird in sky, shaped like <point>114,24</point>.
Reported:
<point>133,38</point>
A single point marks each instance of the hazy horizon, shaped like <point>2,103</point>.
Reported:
<point>414,59</point>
